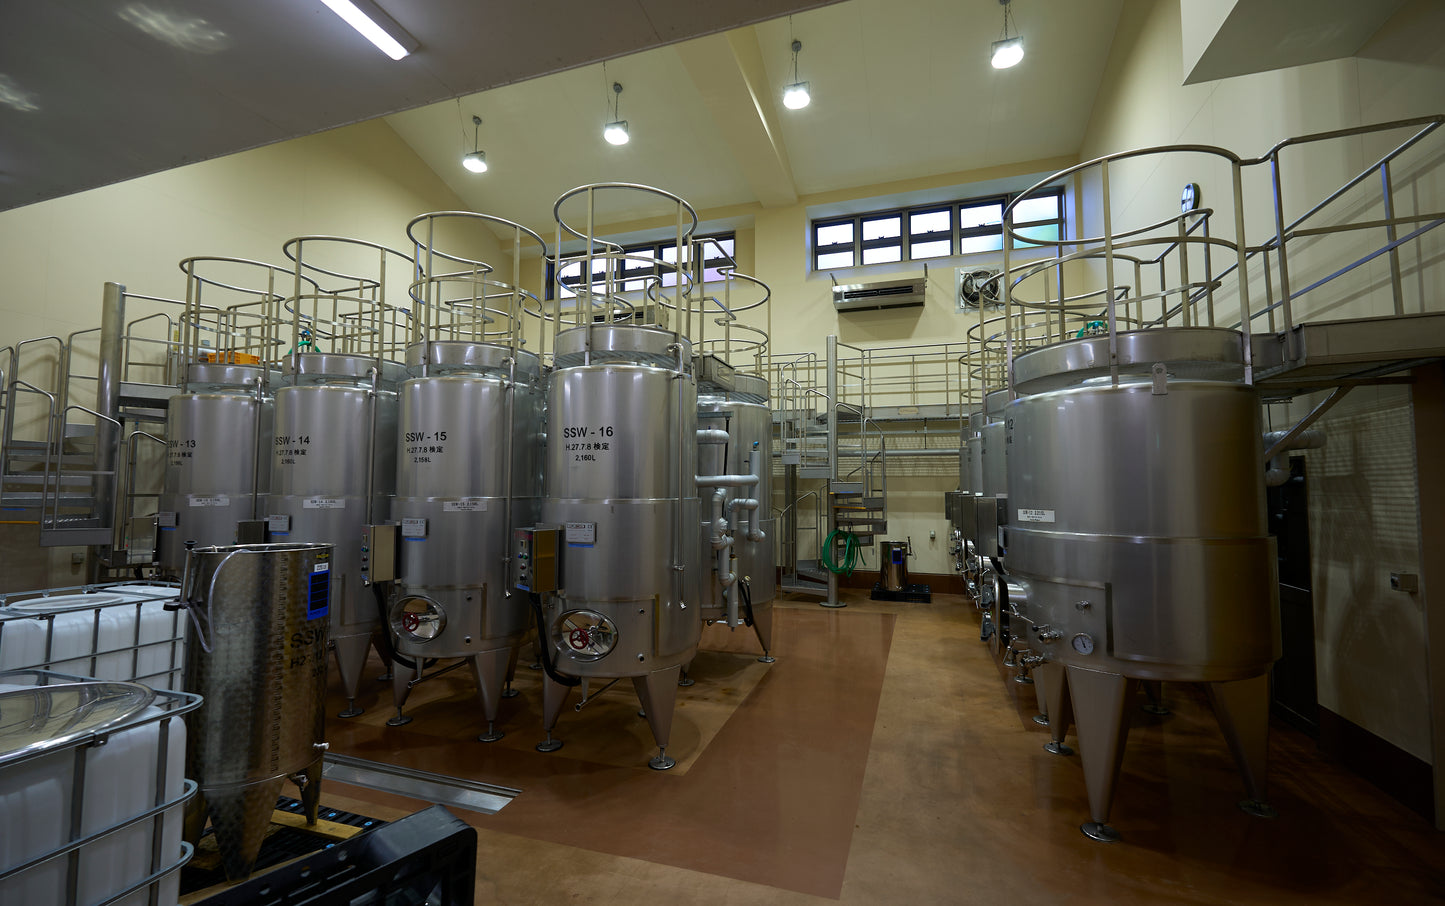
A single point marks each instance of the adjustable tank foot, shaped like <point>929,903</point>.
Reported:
<point>642,713</point>
<point>1154,695</point>
<point>536,666</point>
<point>1257,808</point>
<point>400,720</point>
<point>1023,679</point>
<point>1096,830</point>
<point>351,709</point>
<point>510,691</point>
<point>833,604</point>
<point>767,659</point>
<point>1041,719</point>
<point>686,681</point>
<point>662,762</point>
<point>549,744</point>
<point>493,734</point>
<point>1057,748</point>
<point>385,677</point>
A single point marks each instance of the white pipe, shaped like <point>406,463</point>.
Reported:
<point>1277,470</point>
<point>712,436</point>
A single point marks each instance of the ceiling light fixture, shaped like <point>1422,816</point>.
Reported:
<point>375,25</point>
<point>796,95</point>
<point>616,131</point>
<point>476,159</point>
<point>1007,51</point>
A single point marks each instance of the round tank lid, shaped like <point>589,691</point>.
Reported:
<point>460,356</point>
<point>1190,353</point>
<point>61,603</point>
<point>622,344</point>
<point>39,719</point>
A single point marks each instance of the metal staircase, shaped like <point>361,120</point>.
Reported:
<point>61,463</point>
<point>822,437</point>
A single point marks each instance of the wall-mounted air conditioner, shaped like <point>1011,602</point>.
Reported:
<point>880,294</point>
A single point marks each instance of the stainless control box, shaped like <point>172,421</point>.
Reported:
<point>534,561</point>
<point>378,553</point>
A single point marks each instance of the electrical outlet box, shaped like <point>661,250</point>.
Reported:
<point>1406,582</point>
<point>378,554</point>
<point>534,559</point>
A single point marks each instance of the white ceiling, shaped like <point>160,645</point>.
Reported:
<point>96,91</point>
<point>901,89</point>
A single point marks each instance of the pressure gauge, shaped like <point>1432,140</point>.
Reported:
<point>1083,643</point>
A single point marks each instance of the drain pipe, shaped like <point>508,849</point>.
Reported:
<point>1276,471</point>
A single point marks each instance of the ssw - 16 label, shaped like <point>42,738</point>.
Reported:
<point>588,443</point>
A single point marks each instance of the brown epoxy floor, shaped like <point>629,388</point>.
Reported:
<point>883,759</point>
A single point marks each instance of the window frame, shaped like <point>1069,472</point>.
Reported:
<point>907,238</point>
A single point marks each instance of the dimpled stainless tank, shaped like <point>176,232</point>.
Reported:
<point>621,477</point>
<point>458,424</point>
<point>329,425</point>
<point>258,659</point>
<point>1137,523</point>
<point>744,414</point>
<point>215,430</point>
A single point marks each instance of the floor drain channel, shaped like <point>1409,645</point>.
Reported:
<point>486,798</point>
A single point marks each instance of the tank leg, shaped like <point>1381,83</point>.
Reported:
<point>401,677</point>
<point>1242,708</point>
<point>684,680</point>
<point>350,661</point>
<point>382,651</point>
<point>554,699</point>
<point>1154,692</point>
<point>536,653</point>
<point>508,690</point>
<point>241,816</point>
<point>658,691</point>
<point>490,670</point>
<point>193,823</point>
<point>1041,695</point>
<point>763,626</point>
<point>1100,702</point>
<point>311,791</point>
<point>1058,707</point>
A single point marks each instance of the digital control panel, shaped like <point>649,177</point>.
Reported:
<point>534,563</point>
<point>378,553</point>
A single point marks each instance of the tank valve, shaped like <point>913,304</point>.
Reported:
<point>1047,634</point>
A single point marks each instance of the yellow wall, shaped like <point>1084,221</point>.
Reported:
<point>1370,643</point>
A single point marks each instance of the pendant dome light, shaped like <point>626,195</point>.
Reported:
<point>796,96</point>
<point>1007,51</point>
<point>476,159</point>
<point>616,131</point>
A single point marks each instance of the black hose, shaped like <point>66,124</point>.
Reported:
<point>544,645</point>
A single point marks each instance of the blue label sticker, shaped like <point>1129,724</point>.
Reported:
<point>319,603</point>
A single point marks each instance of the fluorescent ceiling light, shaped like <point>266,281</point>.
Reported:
<point>374,25</point>
<point>476,161</point>
<point>1007,52</point>
<point>796,96</point>
<point>615,132</point>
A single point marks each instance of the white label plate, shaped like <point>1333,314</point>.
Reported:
<point>324,503</point>
<point>581,533</point>
<point>209,501</point>
<point>278,523</point>
<point>413,528</point>
<point>465,505</point>
<point>1035,515</point>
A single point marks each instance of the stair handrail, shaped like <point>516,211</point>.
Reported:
<point>128,494</point>
<point>16,384</point>
<point>54,500</point>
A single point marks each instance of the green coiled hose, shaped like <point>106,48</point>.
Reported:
<point>850,553</point>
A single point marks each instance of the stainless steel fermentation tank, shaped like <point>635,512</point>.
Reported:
<point>1138,543</point>
<point>735,442</point>
<point>469,470</point>
<point>621,481</point>
<point>333,470</point>
<point>258,659</point>
<point>217,470</point>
